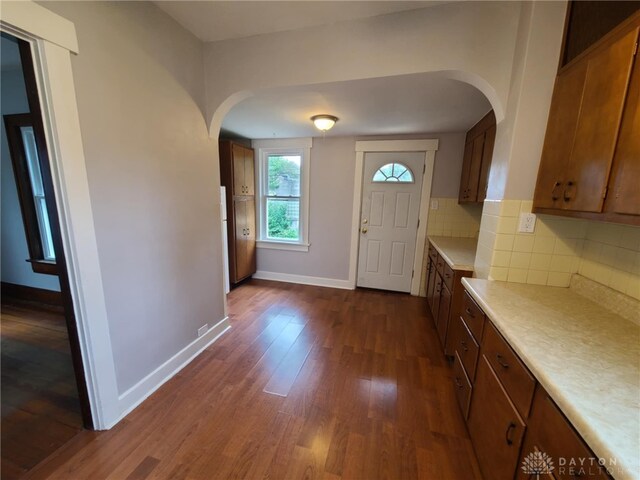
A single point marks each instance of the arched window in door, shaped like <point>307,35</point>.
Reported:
<point>393,172</point>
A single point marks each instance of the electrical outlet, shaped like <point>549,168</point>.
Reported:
<point>527,223</point>
<point>435,204</point>
<point>203,329</point>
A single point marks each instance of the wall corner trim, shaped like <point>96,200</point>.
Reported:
<point>137,394</point>
<point>304,280</point>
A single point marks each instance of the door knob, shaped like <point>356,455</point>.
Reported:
<point>365,221</point>
<point>364,230</point>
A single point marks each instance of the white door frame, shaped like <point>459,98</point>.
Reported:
<point>53,40</point>
<point>429,147</point>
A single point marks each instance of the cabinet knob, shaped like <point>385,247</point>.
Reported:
<point>554,193</point>
<point>567,191</point>
<point>469,312</point>
<point>501,362</point>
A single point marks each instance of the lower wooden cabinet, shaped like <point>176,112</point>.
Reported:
<point>444,296</point>
<point>495,426</point>
<point>513,423</point>
<point>551,437</point>
<point>243,249</point>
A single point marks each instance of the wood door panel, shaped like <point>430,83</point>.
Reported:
<point>242,260</point>
<point>463,194</point>
<point>558,141</point>
<point>487,157</point>
<point>474,170</point>
<point>443,314</point>
<point>250,240</point>
<point>495,427</point>
<point>249,176</point>
<point>605,88</point>
<point>237,155</point>
<point>624,194</point>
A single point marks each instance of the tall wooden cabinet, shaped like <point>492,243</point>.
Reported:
<point>237,175</point>
<point>590,159</point>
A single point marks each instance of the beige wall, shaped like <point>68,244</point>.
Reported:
<point>153,177</point>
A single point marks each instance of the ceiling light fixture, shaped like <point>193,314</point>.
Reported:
<point>323,122</point>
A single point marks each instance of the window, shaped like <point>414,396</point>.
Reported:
<point>26,167</point>
<point>393,172</point>
<point>283,193</point>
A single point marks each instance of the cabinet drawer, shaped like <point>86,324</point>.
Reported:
<point>462,386</point>
<point>440,265</point>
<point>467,348</point>
<point>433,253</point>
<point>473,316</point>
<point>551,433</point>
<point>448,276</point>
<point>515,377</point>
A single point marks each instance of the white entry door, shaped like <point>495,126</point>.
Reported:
<point>390,208</point>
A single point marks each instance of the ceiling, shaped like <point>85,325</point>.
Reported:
<point>211,21</point>
<point>417,103</point>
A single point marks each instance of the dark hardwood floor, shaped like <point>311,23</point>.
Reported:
<point>310,383</point>
<point>40,409</point>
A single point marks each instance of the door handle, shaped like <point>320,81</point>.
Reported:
<point>365,221</point>
<point>364,230</point>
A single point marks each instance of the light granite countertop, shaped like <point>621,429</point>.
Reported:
<point>586,357</point>
<point>459,253</point>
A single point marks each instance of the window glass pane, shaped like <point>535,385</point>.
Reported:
<point>45,229</point>
<point>283,219</point>
<point>284,175</point>
<point>29,142</point>
<point>393,172</point>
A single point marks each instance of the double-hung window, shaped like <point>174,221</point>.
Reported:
<point>283,193</point>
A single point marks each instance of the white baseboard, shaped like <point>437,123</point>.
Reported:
<point>137,394</point>
<point>304,280</point>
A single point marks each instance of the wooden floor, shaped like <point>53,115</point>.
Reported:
<point>359,387</point>
<point>40,409</point>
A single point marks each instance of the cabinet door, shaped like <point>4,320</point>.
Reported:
<point>487,156</point>
<point>250,239</point>
<point>624,194</point>
<point>443,314</point>
<point>237,154</point>
<point>477,149</point>
<point>558,141</point>
<point>605,88</point>
<point>435,302</point>
<point>494,425</point>
<point>249,179</point>
<point>463,194</point>
<point>242,260</point>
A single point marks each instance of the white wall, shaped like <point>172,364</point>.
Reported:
<point>153,179</point>
<point>331,196</point>
<point>15,252</point>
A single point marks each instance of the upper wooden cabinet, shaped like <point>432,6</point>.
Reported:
<point>243,176</point>
<point>476,163</point>
<point>592,131</point>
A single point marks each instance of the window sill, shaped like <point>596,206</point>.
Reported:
<point>47,267</point>
<point>271,245</point>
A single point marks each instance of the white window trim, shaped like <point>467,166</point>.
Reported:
<point>294,146</point>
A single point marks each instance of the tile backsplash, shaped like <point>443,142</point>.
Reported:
<point>559,247</point>
<point>453,220</point>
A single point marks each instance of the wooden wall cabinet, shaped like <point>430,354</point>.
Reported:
<point>593,131</point>
<point>237,175</point>
<point>476,163</point>
<point>444,296</point>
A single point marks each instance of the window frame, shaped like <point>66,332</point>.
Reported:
<point>13,124</point>
<point>266,148</point>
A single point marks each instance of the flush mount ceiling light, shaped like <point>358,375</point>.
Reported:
<point>324,123</point>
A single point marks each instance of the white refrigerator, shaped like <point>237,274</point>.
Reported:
<point>225,239</point>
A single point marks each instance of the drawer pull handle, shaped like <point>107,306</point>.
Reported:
<point>501,362</point>
<point>554,195</point>
<point>469,312</point>
<point>464,346</point>
<point>458,383</point>
<point>447,275</point>
<point>507,435</point>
